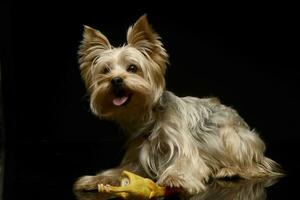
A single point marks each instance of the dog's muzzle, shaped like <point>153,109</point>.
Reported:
<point>118,88</point>
<point>122,96</point>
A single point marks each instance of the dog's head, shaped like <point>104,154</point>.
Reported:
<point>123,82</point>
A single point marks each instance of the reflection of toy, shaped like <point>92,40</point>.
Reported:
<point>136,187</point>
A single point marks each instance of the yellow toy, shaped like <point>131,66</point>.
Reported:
<point>136,187</point>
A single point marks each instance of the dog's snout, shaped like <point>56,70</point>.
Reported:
<point>117,81</point>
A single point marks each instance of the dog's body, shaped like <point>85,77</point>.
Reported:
<point>179,142</point>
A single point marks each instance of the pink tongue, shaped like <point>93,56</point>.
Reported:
<point>120,101</point>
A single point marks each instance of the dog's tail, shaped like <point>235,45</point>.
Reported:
<point>267,168</point>
<point>270,168</point>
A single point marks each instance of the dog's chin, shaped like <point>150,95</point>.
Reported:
<point>127,106</point>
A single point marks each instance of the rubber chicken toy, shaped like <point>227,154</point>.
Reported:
<point>136,187</point>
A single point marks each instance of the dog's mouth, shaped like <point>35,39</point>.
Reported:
<point>121,101</point>
<point>121,97</point>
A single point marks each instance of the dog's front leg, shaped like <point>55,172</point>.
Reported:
<point>90,183</point>
<point>112,176</point>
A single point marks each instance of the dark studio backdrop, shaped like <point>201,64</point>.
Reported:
<point>241,53</point>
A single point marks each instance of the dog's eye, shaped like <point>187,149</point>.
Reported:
<point>106,70</point>
<point>132,68</point>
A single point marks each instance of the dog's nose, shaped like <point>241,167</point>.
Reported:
<point>117,81</point>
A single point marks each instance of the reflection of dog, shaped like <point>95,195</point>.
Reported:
<point>179,142</point>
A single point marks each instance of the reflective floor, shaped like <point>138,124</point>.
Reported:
<point>218,190</point>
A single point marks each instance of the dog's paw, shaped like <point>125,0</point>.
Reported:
<point>90,183</point>
<point>87,195</point>
<point>186,185</point>
<point>170,181</point>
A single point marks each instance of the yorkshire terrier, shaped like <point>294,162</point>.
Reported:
<point>177,142</point>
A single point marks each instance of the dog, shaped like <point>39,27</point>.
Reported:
<point>180,142</point>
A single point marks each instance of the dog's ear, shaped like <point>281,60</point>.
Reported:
<point>142,37</point>
<point>91,47</point>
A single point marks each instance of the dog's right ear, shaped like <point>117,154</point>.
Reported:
<point>91,47</point>
<point>94,37</point>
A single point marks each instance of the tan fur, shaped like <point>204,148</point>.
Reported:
<point>179,142</point>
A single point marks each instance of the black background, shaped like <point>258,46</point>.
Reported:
<point>242,53</point>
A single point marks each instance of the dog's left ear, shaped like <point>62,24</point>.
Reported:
<point>142,37</point>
